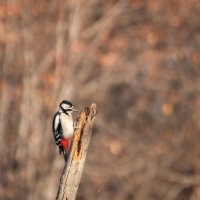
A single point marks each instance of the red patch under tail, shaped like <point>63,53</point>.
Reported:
<point>64,144</point>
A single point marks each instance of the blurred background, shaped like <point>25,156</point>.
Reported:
<point>138,60</point>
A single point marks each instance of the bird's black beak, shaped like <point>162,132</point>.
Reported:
<point>74,110</point>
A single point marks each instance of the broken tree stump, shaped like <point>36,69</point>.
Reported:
<point>72,172</point>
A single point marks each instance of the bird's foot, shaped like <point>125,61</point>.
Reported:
<point>76,126</point>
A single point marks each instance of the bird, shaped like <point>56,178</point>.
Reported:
<point>63,127</point>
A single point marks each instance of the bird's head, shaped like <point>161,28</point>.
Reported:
<point>67,107</point>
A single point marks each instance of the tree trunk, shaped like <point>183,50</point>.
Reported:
<point>71,176</point>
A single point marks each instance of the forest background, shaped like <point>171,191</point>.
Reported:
<point>138,60</point>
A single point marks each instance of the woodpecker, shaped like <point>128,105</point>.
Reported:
<point>63,127</point>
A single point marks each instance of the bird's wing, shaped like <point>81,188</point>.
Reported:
<point>57,128</point>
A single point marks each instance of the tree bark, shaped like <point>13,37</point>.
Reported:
<point>72,172</point>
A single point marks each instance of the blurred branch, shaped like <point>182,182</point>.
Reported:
<point>106,23</point>
<point>4,97</point>
<point>61,30</point>
<point>73,169</point>
<point>73,29</point>
<point>176,177</point>
<point>29,58</point>
<point>95,32</point>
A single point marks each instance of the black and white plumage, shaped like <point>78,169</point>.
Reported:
<point>63,126</point>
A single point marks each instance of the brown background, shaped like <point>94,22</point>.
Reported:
<point>138,60</point>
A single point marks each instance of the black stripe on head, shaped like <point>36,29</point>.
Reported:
<point>67,104</point>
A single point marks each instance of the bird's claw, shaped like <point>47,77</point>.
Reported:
<point>76,126</point>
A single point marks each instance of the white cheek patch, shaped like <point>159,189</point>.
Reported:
<point>65,106</point>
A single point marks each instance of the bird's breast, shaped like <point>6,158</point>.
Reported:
<point>67,126</point>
